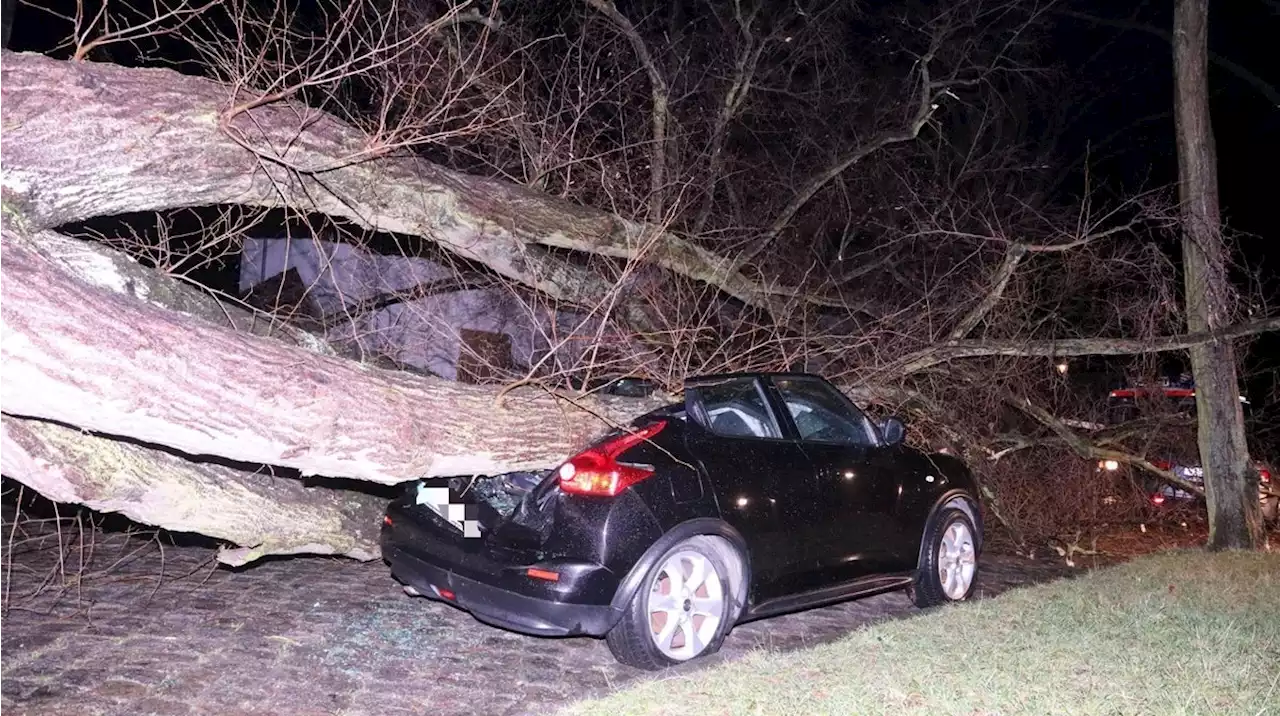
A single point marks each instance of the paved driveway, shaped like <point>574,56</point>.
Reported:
<point>322,636</point>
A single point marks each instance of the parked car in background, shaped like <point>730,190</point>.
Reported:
<point>1175,447</point>
<point>759,494</point>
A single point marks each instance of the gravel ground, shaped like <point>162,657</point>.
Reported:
<point>170,633</point>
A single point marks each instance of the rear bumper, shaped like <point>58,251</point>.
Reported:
<point>496,599</point>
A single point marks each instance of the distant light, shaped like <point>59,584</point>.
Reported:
<point>742,501</point>
<point>1062,368</point>
<point>848,474</point>
<point>1110,465</point>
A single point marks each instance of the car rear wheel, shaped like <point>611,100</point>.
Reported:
<point>949,566</point>
<point>681,612</point>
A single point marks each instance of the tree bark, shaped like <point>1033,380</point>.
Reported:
<point>84,140</point>
<point>1235,520</point>
<point>107,268</point>
<point>84,356</point>
<point>265,514</point>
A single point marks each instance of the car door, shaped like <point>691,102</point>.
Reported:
<point>762,480</point>
<point>856,532</point>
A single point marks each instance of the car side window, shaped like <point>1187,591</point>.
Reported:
<point>736,407</point>
<point>823,415</point>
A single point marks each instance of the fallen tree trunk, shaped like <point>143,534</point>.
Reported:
<point>84,356</point>
<point>84,140</point>
<point>115,271</point>
<point>266,514</point>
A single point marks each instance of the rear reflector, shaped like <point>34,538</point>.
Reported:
<point>596,470</point>
<point>386,520</point>
<point>544,574</point>
<point>445,593</point>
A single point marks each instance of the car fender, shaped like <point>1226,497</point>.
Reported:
<point>700,526</point>
<point>943,500</point>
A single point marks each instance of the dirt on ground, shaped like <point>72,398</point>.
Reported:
<point>146,630</point>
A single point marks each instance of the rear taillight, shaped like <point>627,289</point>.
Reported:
<point>1264,474</point>
<point>1162,464</point>
<point>1157,499</point>
<point>546,574</point>
<point>596,470</point>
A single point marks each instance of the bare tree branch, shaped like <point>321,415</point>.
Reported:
<point>1087,449</point>
<point>661,106</point>
<point>746,60</point>
<point>955,349</point>
<point>1013,257</point>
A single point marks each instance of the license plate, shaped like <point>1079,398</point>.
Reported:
<point>1194,471</point>
<point>461,517</point>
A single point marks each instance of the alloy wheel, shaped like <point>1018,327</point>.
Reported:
<point>957,560</point>
<point>685,605</point>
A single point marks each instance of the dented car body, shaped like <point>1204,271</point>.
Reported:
<point>760,494</point>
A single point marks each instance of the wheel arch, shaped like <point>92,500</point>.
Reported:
<point>966,503</point>
<point>718,535</point>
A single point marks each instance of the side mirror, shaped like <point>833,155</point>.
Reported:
<point>894,431</point>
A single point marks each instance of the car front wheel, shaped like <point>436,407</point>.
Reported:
<point>949,565</point>
<point>682,610</point>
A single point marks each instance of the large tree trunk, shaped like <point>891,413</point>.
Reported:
<point>89,342</point>
<point>107,362</point>
<point>267,514</point>
<point>1230,481</point>
<point>85,139</point>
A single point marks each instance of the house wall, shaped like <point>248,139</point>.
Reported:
<point>423,333</point>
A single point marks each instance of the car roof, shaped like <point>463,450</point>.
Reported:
<point>756,374</point>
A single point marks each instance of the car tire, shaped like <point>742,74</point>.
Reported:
<point>682,611</point>
<point>949,560</point>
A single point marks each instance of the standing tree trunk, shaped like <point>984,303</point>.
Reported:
<point>1230,482</point>
<point>6,21</point>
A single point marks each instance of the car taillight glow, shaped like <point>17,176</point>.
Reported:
<point>596,470</point>
<point>543,574</point>
<point>1157,499</point>
<point>1264,474</point>
<point>1162,464</point>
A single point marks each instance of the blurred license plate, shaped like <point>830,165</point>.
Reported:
<point>459,516</point>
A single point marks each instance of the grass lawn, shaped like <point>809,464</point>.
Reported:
<point>1183,632</point>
